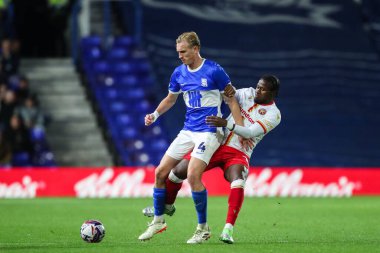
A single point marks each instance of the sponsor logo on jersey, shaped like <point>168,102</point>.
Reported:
<point>246,115</point>
<point>262,111</point>
<point>204,82</point>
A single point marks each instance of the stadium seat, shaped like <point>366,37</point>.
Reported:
<point>118,106</point>
<point>153,132</point>
<point>142,67</point>
<point>126,80</point>
<point>135,144</point>
<point>21,159</point>
<point>142,106</point>
<point>91,41</point>
<point>111,93</point>
<point>141,159</point>
<point>117,54</point>
<point>13,82</point>
<point>124,119</point>
<point>158,145</point>
<point>123,41</point>
<point>45,159</point>
<point>92,54</point>
<point>37,134</point>
<point>101,67</point>
<point>130,133</point>
<point>146,81</point>
<point>122,67</point>
<point>135,94</point>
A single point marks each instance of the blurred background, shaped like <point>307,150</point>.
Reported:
<point>78,77</point>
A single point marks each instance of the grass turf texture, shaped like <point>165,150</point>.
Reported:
<point>264,225</point>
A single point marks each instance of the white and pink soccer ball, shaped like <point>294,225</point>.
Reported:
<point>92,231</point>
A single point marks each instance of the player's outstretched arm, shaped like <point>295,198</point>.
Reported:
<point>216,121</point>
<point>235,110</point>
<point>270,121</point>
<point>163,107</point>
<point>245,132</point>
<point>229,91</point>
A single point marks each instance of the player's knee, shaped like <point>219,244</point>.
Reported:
<point>193,178</point>
<point>180,171</point>
<point>238,183</point>
<point>160,176</point>
<point>173,177</point>
<point>236,173</point>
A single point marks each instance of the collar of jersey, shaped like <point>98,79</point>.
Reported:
<point>195,70</point>
<point>271,103</point>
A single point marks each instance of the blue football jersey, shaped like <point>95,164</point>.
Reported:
<point>202,88</point>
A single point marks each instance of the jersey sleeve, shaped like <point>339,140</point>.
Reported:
<point>270,121</point>
<point>221,78</point>
<point>174,86</point>
<point>263,126</point>
<point>239,95</point>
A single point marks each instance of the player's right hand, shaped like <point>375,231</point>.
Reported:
<point>229,91</point>
<point>216,121</point>
<point>149,119</point>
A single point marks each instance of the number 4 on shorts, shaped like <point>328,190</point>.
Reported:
<point>202,147</point>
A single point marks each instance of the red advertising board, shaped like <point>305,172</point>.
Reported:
<point>138,182</point>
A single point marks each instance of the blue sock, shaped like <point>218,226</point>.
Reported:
<point>200,201</point>
<point>159,196</point>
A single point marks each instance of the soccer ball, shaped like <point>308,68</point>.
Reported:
<point>92,231</point>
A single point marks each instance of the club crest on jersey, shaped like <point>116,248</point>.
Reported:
<point>204,82</point>
<point>262,111</point>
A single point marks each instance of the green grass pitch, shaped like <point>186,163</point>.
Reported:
<point>264,225</point>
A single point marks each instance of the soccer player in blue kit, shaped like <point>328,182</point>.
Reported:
<point>202,82</point>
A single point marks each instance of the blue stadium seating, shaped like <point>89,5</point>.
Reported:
<point>120,83</point>
<point>118,53</point>
<point>43,157</point>
<point>21,159</point>
<point>124,41</point>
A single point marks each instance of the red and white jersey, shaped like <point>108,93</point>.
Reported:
<point>268,116</point>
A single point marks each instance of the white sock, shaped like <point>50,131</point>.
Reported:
<point>202,226</point>
<point>229,226</point>
<point>158,219</point>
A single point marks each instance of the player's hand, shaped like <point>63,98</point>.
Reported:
<point>247,143</point>
<point>149,119</point>
<point>229,91</point>
<point>216,121</point>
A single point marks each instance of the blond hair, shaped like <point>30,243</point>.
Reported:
<point>191,38</point>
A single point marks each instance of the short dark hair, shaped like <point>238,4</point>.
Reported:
<point>274,82</point>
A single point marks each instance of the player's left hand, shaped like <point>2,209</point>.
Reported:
<point>216,121</point>
<point>247,143</point>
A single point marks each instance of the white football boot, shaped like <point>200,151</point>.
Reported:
<point>226,236</point>
<point>200,235</point>
<point>153,228</point>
